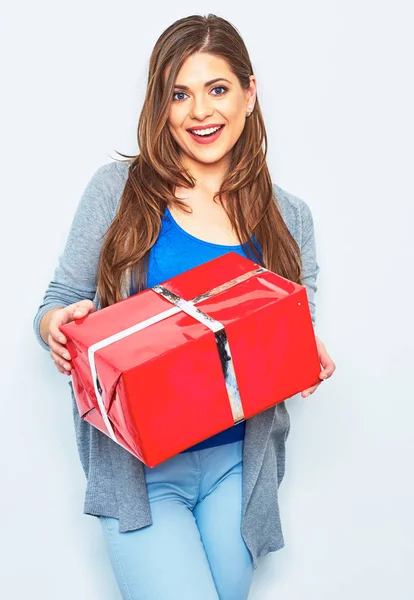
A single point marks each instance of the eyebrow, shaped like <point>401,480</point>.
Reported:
<point>185,87</point>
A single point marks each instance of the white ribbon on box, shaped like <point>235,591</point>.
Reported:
<point>187,306</point>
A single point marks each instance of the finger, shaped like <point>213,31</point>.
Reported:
<point>68,314</point>
<point>60,317</point>
<point>82,308</point>
<point>328,369</point>
<point>310,390</point>
<point>62,370</point>
<point>59,349</point>
<point>59,361</point>
<point>63,366</point>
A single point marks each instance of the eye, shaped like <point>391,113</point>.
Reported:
<point>178,94</point>
<point>220,87</point>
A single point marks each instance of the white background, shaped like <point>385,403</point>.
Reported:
<point>336,87</point>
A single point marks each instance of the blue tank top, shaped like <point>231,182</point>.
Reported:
<point>174,252</point>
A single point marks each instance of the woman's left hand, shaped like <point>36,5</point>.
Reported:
<point>328,366</point>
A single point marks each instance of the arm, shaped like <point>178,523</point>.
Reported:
<point>75,276</point>
<point>310,266</point>
<point>309,275</point>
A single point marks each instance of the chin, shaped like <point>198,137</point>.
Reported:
<point>209,160</point>
<point>209,157</point>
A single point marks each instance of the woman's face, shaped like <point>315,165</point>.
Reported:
<point>208,94</point>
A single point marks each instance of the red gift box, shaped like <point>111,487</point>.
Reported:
<point>177,363</point>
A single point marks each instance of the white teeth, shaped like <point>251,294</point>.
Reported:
<point>205,131</point>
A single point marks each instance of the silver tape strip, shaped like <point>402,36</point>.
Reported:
<point>228,284</point>
<point>222,343</point>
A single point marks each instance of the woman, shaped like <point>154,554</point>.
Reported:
<point>193,526</point>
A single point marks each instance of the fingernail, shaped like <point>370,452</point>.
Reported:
<point>66,355</point>
<point>62,340</point>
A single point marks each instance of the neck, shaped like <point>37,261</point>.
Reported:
<point>209,177</point>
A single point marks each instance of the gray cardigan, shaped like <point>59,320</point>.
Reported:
<point>115,478</point>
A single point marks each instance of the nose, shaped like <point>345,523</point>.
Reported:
<point>200,108</point>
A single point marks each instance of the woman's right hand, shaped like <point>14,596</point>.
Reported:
<point>56,339</point>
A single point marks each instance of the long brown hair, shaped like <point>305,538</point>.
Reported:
<point>157,170</point>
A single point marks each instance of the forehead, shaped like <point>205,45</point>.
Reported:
<point>200,67</point>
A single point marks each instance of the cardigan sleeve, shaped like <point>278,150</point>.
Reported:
<point>310,266</point>
<point>75,275</point>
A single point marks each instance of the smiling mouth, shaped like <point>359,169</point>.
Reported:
<point>206,132</point>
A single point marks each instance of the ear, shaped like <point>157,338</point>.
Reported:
<point>251,94</point>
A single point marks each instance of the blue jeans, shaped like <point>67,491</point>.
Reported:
<point>194,549</point>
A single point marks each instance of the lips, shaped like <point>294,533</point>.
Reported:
<point>207,138</point>
<point>201,127</point>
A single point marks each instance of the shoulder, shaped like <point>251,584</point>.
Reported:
<point>104,190</point>
<point>111,177</point>
<point>295,212</point>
